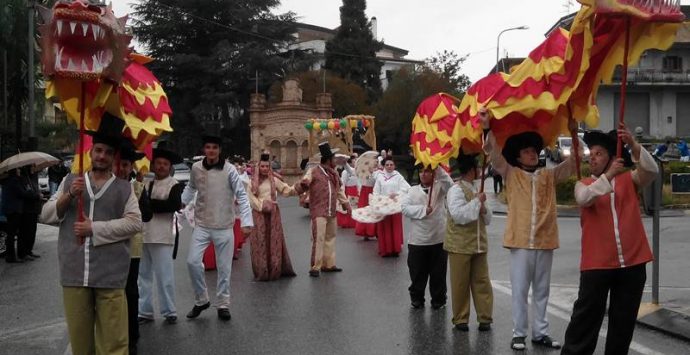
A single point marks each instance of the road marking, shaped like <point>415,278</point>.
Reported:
<point>561,311</point>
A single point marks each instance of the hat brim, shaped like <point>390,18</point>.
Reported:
<point>517,142</point>
<point>333,151</point>
<point>172,157</point>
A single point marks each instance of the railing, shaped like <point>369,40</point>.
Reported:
<point>650,76</point>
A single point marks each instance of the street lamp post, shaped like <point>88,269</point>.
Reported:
<point>498,40</point>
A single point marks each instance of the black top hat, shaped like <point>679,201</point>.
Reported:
<point>466,163</point>
<point>129,152</point>
<point>608,141</point>
<point>325,150</point>
<point>109,131</point>
<point>210,138</point>
<point>171,156</point>
<point>517,142</point>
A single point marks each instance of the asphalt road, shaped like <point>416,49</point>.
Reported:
<point>363,310</point>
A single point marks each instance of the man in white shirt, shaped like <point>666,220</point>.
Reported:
<point>426,259</point>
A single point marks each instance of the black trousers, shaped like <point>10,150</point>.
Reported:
<point>132,294</point>
<point>12,230</point>
<point>428,262</point>
<point>27,234</point>
<point>498,183</point>
<point>625,288</point>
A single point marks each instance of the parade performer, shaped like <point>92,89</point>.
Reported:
<point>426,259</point>
<point>366,187</point>
<point>349,180</point>
<point>216,185</point>
<point>93,251</point>
<point>270,258</point>
<point>531,229</point>
<point>390,229</point>
<point>323,184</point>
<point>614,244</point>
<point>466,244</point>
<point>163,195</point>
<point>128,156</point>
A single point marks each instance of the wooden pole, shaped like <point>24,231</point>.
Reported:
<point>576,142</point>
<point>82,109</point>
<point>624,84</point>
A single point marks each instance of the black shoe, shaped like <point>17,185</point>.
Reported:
<point>144,320</point>
<point>224,314</point>
<point>518,343</point>
<point>547,342</point>
<point>35,256</point>
<point>438,305</point>
<point>332,269</point>
<point>483,327</point>
<point>462,327</point>
<point>417,304</point>
<point>171,319</point>
<point>314,273</point>
<point>196,311</point>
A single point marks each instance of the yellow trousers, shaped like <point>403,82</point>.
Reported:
<point>96,320</point>
<point>469,273</point>
<point>323,242</point>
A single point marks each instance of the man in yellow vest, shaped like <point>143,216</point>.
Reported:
<point>531,228</point>
<point>466,244</point>
<point>614,244</point>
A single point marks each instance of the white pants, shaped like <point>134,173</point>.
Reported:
<point>223,242</point>
<point>156,261</point>
<point>530,267</point>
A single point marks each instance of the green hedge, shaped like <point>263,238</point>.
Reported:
<point>565,191</point>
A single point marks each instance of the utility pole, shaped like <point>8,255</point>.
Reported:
<point>31,84</point>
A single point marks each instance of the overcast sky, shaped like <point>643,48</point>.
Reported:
<point>428,26</point>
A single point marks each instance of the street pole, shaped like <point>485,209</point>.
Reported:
<point>5,119</point>
<point>498,40</point>
<point>31,86</point>
<point>657,185</point>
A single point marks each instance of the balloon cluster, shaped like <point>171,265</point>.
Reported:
<point>335,124</point>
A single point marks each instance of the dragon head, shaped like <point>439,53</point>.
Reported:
<point>648,10</point>
<point>83,41</point>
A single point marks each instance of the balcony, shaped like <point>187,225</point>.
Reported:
<point>653,76</point>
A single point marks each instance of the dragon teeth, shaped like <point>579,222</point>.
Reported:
<point>84,28</point>
<point>70,65</point>
<point>95,30</point>
<point>72,26</point>
<point>84,68</point>
<point>59,27</point>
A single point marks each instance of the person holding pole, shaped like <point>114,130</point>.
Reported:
<point>615,249</point>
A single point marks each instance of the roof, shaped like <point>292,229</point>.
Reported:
<point>329,33</point>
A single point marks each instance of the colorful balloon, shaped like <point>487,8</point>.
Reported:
<point>309,125</point>
<point>336,124</point>
<point>343,123</point>
<point>331,124</point>
<point>324,125</point>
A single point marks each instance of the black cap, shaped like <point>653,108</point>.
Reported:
<point>171,156</point>
<point>209,138</point>
<point>265,157</point>
<point>326,151</point>
<point>109,131</point>
<point>129,152</point>
<point>517,142</point>
<point>466,163</point>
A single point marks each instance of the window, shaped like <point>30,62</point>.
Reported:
<point>673,63</point>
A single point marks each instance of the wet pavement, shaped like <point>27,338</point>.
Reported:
<point>363,310</point>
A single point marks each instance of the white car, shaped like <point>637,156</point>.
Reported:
<point>563,149</point>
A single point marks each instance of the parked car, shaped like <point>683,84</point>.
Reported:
<point>563,149</point>
<point>181,172</point>
<point>43,184</point>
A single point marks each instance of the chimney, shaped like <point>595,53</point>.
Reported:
<point>374,28</point>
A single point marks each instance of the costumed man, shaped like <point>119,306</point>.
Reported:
<point>323,183</point>
<point>93,252</point>
<point>426,259</point>
<point>270,258</point>
<point>350,183</point>
<point>389,231</point>
<point>216,185</point>
<point>531,232</point>
<point>615,249</point>
<point>466,244</point>
<point>163,197</point>
<point>129,155</point>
